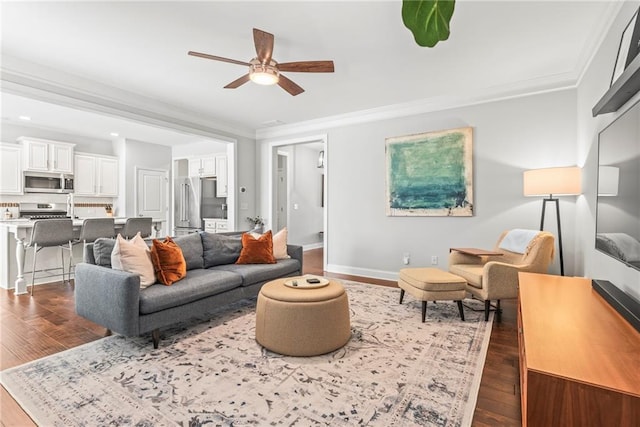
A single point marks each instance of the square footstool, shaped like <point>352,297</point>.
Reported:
<point>432,284</point>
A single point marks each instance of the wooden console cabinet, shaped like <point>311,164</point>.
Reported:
<point>579,359</point>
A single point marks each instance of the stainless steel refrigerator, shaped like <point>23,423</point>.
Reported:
<point>196,199</point>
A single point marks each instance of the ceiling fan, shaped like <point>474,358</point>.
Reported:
<point>264,70</point>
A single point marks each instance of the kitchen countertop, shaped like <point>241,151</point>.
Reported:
<point>28,223</point>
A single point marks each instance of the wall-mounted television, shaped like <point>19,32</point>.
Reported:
<point>618,204</point>
<point>618,207</point>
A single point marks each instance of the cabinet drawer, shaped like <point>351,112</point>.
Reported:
<point>222,226</point>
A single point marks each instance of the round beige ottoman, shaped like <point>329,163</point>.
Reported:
<point>302,322</point>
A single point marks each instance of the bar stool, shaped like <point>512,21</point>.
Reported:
<point>48,233</point>
<point>134,225</point>
<point>94,228</point>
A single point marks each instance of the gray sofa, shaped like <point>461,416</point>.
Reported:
<point>113,298</point>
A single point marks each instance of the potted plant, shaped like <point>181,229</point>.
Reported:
<point>257,223</point>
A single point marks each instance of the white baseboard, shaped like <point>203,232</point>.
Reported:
<point>364,272</point>
<point>312,246</point>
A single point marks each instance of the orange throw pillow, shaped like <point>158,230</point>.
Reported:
<point>257,251</point>
<point>168,261</point>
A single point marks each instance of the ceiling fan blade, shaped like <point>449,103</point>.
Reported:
<point>289,86</point>
<point>238,82</point>
<point>307,67</point>
<point>217,58</point>
<point>264,45</point>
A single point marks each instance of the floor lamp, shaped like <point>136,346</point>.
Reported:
<point>564,181</point>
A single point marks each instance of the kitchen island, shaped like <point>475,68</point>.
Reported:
<point>19,230</point>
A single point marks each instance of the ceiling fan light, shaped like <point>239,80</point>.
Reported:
<point>264,74</point>
<point>263,78</point>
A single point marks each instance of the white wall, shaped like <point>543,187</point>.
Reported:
<point>246,176</point>
<point>593,85</point>
<point>510,136</point>
<point>200,148</point>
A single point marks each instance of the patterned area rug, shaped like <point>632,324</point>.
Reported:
<point>395,371</point>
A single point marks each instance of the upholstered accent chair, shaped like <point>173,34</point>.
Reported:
<point>493,278</point>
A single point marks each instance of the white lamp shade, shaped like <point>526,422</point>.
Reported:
<point>608,177</point>
<point>565,181</point>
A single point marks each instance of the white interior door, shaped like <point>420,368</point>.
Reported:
<point>152,187</point>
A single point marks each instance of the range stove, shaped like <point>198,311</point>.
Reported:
<point>43,211</point>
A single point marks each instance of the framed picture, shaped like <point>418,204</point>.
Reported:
<point>430,174</point>
<point>628,48</point>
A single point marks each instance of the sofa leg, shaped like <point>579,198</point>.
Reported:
<point>424,310</point>
<point>487,307</point>
<point>460,310</point>
<point>155,334</point>
<point>498,311</point>
<point>401,295</point>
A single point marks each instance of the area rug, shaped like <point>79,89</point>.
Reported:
<point>395,371</point>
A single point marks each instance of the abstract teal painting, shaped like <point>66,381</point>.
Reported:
<point>430,174</point>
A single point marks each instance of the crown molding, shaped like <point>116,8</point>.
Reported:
<point>85,95</point>
<point>559,82</point>
<point>564,81</point>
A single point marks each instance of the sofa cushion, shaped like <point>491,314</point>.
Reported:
<point>220,249</point>
<point>279,243</point>
<point>472,273</point>
<point>102,249</point>
<point>191,245</point>
<point>196,285</point>
<point>134,256</point>
<point>257,250</point>
<point>168,261</point>
<point>255,273</point>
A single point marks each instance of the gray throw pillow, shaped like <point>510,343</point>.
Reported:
<point>191,246</point>
<point>220,249</point>
<point>102,249</point>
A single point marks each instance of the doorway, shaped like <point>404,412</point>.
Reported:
<point>298,191</point>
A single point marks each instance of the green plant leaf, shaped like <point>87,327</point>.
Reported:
<point>428,20</point>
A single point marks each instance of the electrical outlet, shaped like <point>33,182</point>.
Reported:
<point>406,258</point>
<point>434,260</point>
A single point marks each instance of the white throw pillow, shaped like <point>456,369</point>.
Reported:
<point>279,244</point>
<point>134,256</point>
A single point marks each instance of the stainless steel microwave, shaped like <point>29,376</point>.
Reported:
<point>43,182</point>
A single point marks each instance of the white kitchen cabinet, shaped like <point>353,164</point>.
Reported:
<point>11,173</point>
<point>108,176</point>
<point>84,182</point>
<point>202,166</point>
<point>221,176</point>
<point>213,225</point>
<point>47,156</point>
<point>96,176</point>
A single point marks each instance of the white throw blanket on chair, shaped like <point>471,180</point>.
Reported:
<point>517,240</point>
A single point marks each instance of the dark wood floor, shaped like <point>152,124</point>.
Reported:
<point>38,326</point>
